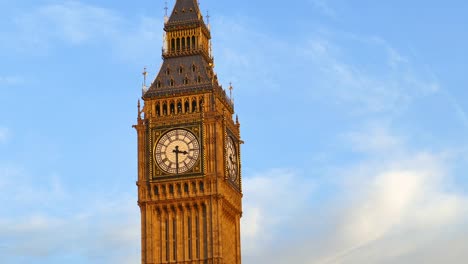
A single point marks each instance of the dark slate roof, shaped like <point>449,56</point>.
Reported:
<point>185,11</point>
<point>181,68</point>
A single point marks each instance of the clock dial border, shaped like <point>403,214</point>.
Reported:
<point>156,172</point>
<point>235,143</point>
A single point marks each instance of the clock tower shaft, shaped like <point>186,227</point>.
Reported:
<point>189,170</point>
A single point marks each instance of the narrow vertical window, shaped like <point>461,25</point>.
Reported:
<point>197,235</point>
<point>189,226</point>
<point>174,238</point>
<point>205,233</point>
<point>194,105</point>
<point>167,240</point>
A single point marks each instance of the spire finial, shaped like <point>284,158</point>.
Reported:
<point>208,17</point>
<point>166,18</point>
<point>145,73</point>
<point>230,92</point>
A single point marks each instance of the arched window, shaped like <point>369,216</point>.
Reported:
<point>158,110</point>
<point>194,44</point>
<point>168,71</point>
<point>194,68</point>
<point>186,189</point>
<point>179,107</point>
<point>178,44</point>
<point>183,44</point>
<point>181,69</point>
<point>194,105</point>
<point>187,106</point>
<point>188,43</point>
<point>172,45</point>
<point>172,108</point>
<point>201,186</point>
<point>171,82</point>
<point>156,190</point>
<point>186,80</point>
<point>200,105</point>
<point>164,109</point>
<point>198,79</point>
<point>158,84</point>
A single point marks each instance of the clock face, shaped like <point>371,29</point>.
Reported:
<point>231,161</point>
<point>177,151</point>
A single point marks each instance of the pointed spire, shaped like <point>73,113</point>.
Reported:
<point>185,11</point>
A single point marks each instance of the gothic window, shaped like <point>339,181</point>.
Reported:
<point>168,71</point>
<point>164,109</point>
<point>186,188</point>
<point>179,107</point>
<point>186,81</point>
<point>158,84</point>
<point>172,45</point>
<point>194,105</point>
<point>183,43</point>
<point>198,79</point>
<point>187,106</point>
<point>172,108</point>
<point>158,110</point>
<point>194,68</point>
<point>188,43</point>
<point>201,187</point>
<point>171,189</point>
<point>200,105</point>
<point>194,187</point>
<point>194,44</point>
<point>156,190</point>
<point>171,82</point>
<point>178,44</point>
<point>181,69</point>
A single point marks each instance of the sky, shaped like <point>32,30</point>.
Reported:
<point>354,116</point>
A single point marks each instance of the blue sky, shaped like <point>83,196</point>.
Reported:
<point>354,114</point>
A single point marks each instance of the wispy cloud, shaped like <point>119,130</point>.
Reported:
<point>78,24</point>
<point>392,208</point>
<point>53,223</point>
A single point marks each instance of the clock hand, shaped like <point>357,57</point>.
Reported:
<point>177,152</point>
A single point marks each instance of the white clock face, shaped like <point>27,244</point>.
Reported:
<point>177,151</point>
<point>231,159</point>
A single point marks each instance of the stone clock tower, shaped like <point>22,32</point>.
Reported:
<point>189,169</point>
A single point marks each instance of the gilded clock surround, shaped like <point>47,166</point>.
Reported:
<point>193,215</point>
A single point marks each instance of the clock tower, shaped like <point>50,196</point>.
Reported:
<point>189,169</point>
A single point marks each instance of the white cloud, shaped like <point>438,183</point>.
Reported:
<point>393,206</point>
<point>272,199</point>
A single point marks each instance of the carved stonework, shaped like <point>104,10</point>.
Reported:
<point>189,153</point>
